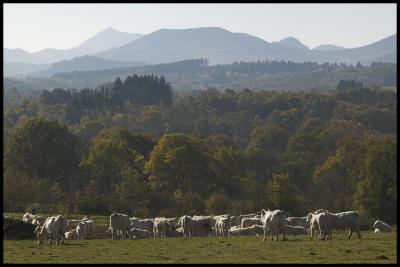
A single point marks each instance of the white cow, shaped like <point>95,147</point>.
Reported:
<point>222,226</point>
<point>187,224</point>
<point>274,222</point>
<point>321,222</point>
<point>381,227</point>
<point>53,228</point>
<point>313,225</point>
<point>140,233</point>
<point>162,225</point>
<point>119,222</point>
<point>346,220</point>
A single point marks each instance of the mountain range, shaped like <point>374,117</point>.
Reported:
<point>111,48</point>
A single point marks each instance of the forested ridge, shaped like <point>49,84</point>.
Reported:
<point>138,147</point>
<point>258,75</point>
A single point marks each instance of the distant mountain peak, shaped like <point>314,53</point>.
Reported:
<point>329,47</point>
<point>292,42</point>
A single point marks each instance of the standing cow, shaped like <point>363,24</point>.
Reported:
<point>119,222</point>
<point>274,222</point>
<point>53,228</point>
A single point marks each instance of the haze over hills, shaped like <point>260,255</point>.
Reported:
<point>223,47</point>
<point>86,63</point>
<point>218,45</point>
<point>22,68</point>
<point>106,39</point>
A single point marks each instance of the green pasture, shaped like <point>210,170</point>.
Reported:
<point>372,248</point>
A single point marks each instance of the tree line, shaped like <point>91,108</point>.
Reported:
<point>206,151</point>
<point>259,75</point>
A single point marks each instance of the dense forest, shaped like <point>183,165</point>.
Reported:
<point>137,147</point>
<point>197,74</point>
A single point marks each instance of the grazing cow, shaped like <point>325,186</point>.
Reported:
<point>140,233</point>
<point>53,228</point>
<point>143,224</point>
<point>297,221</point>
<point>119,222</point>
<point>162,225</point>
<point>27,217</point>
<point>274,222</point>
<point>296,230</point>
<point>248,222</point>
<point>222,226</point>
<point>346,220</point>
<point>242,231</point>
<point>380,227</point>
<point>70,235</point>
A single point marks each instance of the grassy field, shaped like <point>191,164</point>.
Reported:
<point>372,248</point>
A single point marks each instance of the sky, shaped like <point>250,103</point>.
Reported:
<point>34,27</point>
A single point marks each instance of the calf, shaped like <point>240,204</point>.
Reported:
<point>380,227</point>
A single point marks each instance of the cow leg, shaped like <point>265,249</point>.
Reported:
<point>265,232</point>
<point>350,232</point>
<point>358,232</point>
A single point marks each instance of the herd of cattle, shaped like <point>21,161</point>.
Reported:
<point>276,222</point>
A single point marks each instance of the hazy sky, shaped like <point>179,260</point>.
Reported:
<point>37,26</point>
